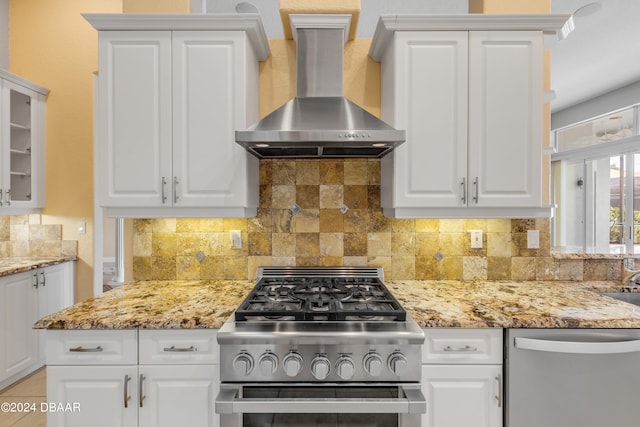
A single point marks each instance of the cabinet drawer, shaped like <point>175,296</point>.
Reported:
<point>469,346</point>
<point>92,347</point>
<point>179,346</point>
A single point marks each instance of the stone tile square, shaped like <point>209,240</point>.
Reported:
<point>331,196</point>
<point>331,172</point>
<point>307,244</point>
<point>308,172</point>
<point>283,172</point>
<point>355,244</point>
<point>331,221</point>
<point>356,196</point>
<point>356,221</point>
<point>308,196</point>
<point>331,244</point>
<point>355,172</point>
<point>379,244</point>
<point>259,244</point>
<point>307,221</point>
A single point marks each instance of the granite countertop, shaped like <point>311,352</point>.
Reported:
<point>477,304</point>
<point>13,265</point>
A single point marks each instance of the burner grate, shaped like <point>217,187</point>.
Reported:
<point>336,296</point>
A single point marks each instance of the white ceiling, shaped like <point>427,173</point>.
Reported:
<point>602,53</point>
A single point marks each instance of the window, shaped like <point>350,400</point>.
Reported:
<point>596,185</point>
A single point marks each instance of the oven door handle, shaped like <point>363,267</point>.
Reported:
<point>228,402</point>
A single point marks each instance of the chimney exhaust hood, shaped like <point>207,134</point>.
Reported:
<point>320,121</point>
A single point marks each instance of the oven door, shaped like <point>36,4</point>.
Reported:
<point>325,405</point>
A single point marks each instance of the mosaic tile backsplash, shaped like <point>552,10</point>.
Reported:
<point>25,236</point>
<point>327,212</point>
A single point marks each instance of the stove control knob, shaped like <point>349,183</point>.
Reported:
<point>292,364</point>
<point>345,367</point>
<point>268,363</point>
<point>398,364</point>
<point>320,367</point>
<point>243,364</point>
<point>373,364</point>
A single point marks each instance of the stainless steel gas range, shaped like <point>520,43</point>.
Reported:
<point>317,346</point>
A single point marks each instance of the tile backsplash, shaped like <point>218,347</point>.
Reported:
<point>25,236</point>
<point>327,212</point>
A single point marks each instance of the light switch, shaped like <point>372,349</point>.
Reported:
<point>236,239</point>
<point>533,239</point>
<point>476,239</point>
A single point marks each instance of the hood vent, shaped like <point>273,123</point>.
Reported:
<point>320,121</point>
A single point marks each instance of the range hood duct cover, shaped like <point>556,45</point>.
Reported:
<point>320,121</point>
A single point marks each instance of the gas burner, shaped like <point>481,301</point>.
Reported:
<point>277,292</point>
<point>317,293</point>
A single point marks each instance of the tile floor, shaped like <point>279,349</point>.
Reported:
<point>32,389</point>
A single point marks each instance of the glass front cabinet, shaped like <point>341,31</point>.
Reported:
<point>22,145</point>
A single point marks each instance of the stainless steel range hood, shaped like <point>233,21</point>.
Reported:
<point>320,121</point>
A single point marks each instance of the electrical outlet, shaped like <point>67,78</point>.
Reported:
<point>533,239</point>
<point>82,227</point>
<point>476,239</point>
<point>236,239</point>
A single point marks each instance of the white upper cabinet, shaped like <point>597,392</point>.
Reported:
<point>22,145</point>
<point>468,90</point>
<point>172,91</point>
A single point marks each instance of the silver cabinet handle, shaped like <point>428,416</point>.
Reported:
<point>575,347</point>
<point>476,184</point>
<point>44,280</point>
<point>35,276</point>
<point>164,194</point>
<point>465,348</point>
<point>175,189</point>
<point>1,196</point>
<point>80,349</point>
<point>142,396</point>
<point>179,349</point>
<point>127,378</point>
<point>8,196</point>
<point>499,396</point>
<point>463,184</point>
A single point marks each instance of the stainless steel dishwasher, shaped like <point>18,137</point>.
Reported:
<point>572,377</point>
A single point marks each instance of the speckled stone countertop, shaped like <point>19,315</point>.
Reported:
<point>207,304</point>
<point>13,265</point>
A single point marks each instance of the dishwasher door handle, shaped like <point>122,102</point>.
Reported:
<point>578,347</point>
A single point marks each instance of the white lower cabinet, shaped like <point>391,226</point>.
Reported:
<point>146,378</point>
<point>178,395</point>
<point>462,377</point>
<point>24,298</point>
<point>18,312</point>
<point>105,396</point>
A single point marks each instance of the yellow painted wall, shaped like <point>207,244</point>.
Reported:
<point>52,45</point>
<point>509,6</point>
<point>156,6</point>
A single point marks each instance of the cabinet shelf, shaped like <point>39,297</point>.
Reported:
<point>19,126</point>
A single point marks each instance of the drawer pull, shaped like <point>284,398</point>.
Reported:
<point>80,349</point>
<point>179,349</point>
<point>465,348</point>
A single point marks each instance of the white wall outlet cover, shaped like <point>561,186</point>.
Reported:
<point>82,227</point>
<point>533,239</point>
<point>476,239</point>
<point>236,239</point>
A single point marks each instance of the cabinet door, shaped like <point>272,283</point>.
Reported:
<point>209,103</point>
<point>178,395</point>
<point>462,395</point>
<point>19,313</point>
<point>57,285</point>
<point>505,119</point>
<point>100,393</point>
<point>431,104</point>
<point>134,118</point>
<point>22,156</point>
